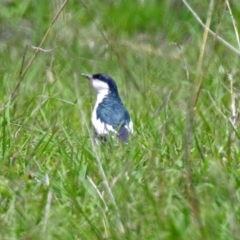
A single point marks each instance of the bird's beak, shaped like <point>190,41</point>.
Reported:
<point>88,76</point>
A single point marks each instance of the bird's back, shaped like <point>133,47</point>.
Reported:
<point>112,112</point>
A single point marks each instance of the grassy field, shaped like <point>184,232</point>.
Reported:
<point>178,178</point>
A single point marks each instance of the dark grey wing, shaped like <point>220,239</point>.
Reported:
<point>113,113</point>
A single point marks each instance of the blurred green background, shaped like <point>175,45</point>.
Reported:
<point>51,184</point>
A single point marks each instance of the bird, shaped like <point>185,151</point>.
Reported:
<point>109,116</point>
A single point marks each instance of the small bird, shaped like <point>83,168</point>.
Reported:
<point>109,114</point>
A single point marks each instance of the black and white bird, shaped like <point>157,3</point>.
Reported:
<point>109,115</point>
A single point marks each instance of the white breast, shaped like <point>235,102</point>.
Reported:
<point>100,127</point>
<point>103,129</point>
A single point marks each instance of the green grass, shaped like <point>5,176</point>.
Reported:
<point>55,184</point>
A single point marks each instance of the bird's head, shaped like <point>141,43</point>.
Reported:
<point>102,83</point>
